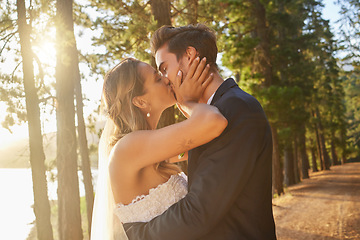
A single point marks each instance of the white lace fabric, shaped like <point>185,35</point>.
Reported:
<point>146,207</point>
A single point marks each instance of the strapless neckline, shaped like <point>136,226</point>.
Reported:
<point>145,207</point>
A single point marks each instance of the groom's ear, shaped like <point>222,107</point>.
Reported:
<point>191,53</point>
<point>139,102</point>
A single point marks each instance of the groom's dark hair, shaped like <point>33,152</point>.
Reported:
<point>199,36</point>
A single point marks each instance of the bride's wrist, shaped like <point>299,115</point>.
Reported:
<point>187,107</point>
<point>188,104</point>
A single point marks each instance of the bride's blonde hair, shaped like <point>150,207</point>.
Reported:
<point>121,85</point>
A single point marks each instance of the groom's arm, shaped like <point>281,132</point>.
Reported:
<point>225,167</point>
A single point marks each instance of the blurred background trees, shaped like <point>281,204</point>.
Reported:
<point>304,73</point>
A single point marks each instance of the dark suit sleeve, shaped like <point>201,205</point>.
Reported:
<point>224,169</point>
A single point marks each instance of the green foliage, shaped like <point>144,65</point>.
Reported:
<point>351,81</point>
<point>349,30</point>
<point>12,93</point>
<point>40,14</point>
<point>125,28</point>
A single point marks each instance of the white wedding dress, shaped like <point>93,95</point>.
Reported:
<point>108,217</point>
<point>146,207</point>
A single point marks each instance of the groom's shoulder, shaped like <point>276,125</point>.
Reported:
<point>236,99</point>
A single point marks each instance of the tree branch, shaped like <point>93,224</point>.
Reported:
<point>176,10</point>
<point>10,35</point>
<point>12,74</point>
<point>5,29</point>
<point>6,42</point>
<point>42,100</point>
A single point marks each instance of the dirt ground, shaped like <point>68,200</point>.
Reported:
<point>326,206</point>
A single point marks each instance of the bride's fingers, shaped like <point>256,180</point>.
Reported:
<point>178,79</point>
<point>208,80</point>
<point>204,74</point>
<point>200,69</point>
<point>192,60</point>
<point>193,67</point>
<point>177,83</point>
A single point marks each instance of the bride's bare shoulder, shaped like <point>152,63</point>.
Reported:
<point>127,147</point>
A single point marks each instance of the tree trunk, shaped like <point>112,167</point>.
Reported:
<point>313,157</point>
<point>160,9</point>
<point>303,155</point>
<point>192,6</point>
<point>83,144</point>
<point>324,152</point>
<point>289,178</point>
<point>161,12</point>
<point>343,145</point>
<point>333,151</point>
<point>262,32</point>
<point>68,182</point>
<point>296,161</point>
<point>318,145</point>
<point>277,174</point>
<point>37,156</point>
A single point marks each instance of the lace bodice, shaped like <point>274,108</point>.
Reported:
<point>146,207</point>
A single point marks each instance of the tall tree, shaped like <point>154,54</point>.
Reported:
<point>264,66</point>
<point>160,9</point>
<point>350,44</point>
<point>83,144</point>
<point>349,30</point>
<point>66,75</point>
<point>352,99</point>
<point>37,156</point>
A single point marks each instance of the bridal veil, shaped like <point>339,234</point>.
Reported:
<point>105,225</point>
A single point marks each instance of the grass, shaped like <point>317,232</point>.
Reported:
<point>54,221</point>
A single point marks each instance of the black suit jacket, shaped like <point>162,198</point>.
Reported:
<point>229,180</point>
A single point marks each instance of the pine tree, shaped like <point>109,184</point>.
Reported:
<point>37,156</point>
<point>66,76</point>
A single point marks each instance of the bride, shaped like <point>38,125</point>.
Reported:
<point>137,178</point>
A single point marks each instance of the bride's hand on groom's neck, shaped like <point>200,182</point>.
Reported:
<point>190,88</point>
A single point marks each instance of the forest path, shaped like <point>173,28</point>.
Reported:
<point>326,206</point>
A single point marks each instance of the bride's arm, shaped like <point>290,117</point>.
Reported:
<point>144,148</point>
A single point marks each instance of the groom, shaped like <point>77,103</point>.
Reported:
<point>230,177</point>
